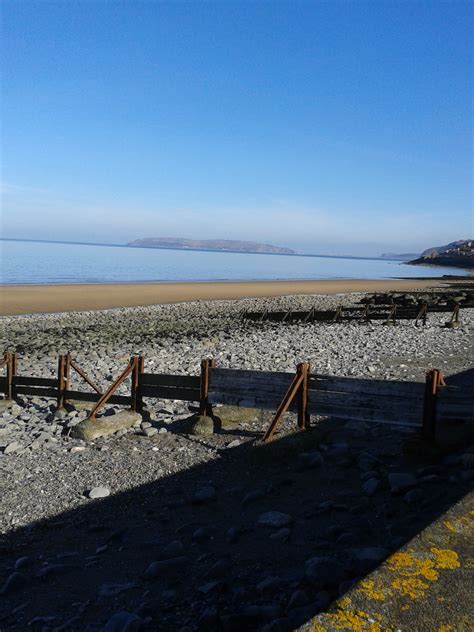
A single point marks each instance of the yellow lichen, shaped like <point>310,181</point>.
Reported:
<point>411,587</point>
<point>445,558</point>
<point>368,589</point>
<point>357,621</point>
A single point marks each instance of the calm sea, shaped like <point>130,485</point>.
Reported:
<point>33,262</point>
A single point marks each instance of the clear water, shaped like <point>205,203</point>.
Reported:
<point>33,262</point>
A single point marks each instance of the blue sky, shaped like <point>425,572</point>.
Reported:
<point>332,127</point>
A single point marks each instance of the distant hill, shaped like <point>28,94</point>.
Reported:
<point>459,254</point>
<point>399,257</point>
<point>226,245</point>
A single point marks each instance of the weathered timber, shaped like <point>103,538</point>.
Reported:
<point>81,396</point>
<point>163,379</point>
<point>36,391</point>
<point>233,399</point>
<point>374,402</point>
<point>168,392</point>
<point>390,388</point>
<point>223,378</point>
<point>24,380</point>
<point>364,414</point>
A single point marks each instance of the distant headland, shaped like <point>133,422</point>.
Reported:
<point>459,254</point>
<point>226,245</point>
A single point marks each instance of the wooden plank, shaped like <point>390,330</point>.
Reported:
<point>162,379</point>
<point>3,383</point>
<point>389,388</point>
<point>36,391</point>
<point>364,414</point>
<point>235,378</point>
<point>24,380</point>
<point>233,399</point>
<point>168,392</point>
<point>452,411</point>
<point>125,400</point>
<point>374,402</point>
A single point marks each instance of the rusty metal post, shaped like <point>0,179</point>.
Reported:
<point>61,381</point>
<point>138,367</point>
<point>429,405</point>
<point>303,416</point>
<point>204,407</point>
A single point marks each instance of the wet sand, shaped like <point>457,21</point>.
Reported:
<point>30,299</point>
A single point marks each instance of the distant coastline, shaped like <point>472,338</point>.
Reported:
<point>238,252</point>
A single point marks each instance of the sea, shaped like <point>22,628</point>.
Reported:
<point>30,262</point>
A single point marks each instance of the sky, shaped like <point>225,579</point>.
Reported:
<point>341,127</point>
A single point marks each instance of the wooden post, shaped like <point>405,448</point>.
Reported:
<point>9,380</point>
<point>433,379</point>
<point>303,415</point>
<point>138,367</point>
<point>204,407</point>
<point>61,381</point>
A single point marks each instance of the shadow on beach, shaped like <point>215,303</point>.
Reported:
<point>261,538</point>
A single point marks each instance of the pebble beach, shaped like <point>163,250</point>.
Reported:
<point>164,529</point>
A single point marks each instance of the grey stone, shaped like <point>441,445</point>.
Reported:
<point>14,582</point>
<point>413,496</point>
<point>98,492</point>
<point>371,486</point>
<point>281,535</point>
<point>150,432</point>
<point>12,447</point>
<point>166,568</point>
<point>234,444</point>
<point>203,425</point>
<point>123,621</point>
<point>275,519</point>
<point>111,590</point>
<point>399,481</point>
<point>324,571</point>
<point>205,494</point>
<point>91,429</point>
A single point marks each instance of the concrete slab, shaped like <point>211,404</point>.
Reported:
<point>426,586</point>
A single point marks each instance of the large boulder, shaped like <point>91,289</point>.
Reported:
<point>91,429</point>
<point>202,425</point>
<point>231,416</point>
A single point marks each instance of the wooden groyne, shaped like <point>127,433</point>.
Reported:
<point>305,392</point>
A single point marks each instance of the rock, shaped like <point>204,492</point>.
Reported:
<point>98,492</point>
<point>14,582</point>
<point>231,416</point>
<point>205,494</point>
<point>218,570</point>
<point>281,535</point>
<point>413,496</point>
<point>202,425</point>
<point>172,550</point>
<point>209,587</point>
<point>298,598</point>
<point>150,432</point>
<point>111,590</point>
<point>274,519</point>
<point>12,447</point>
<point>91,429</point>
<point>256,494</point>
<point>324,571</point>
<point>371,486</point>
<point>399,481</point>
<point>234,444</point>
<point>77,448</point>
<point>311,459</point>
<point>22,562</point>
<point>123,621</point>
<point>269,585</point>
<point>166,568</point>
<point>203,533</point>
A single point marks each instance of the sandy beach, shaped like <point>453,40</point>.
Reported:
<point>33,299</point>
